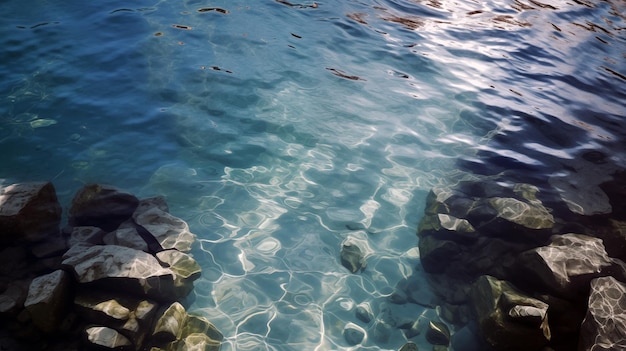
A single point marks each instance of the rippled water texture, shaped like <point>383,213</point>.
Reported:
<point>279,129</point>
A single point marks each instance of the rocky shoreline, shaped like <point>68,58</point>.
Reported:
<point>531,276</point>
<point>513,266</point>
<point>112,279</point>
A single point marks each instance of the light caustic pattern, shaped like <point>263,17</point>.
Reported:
<point>270,233</point>
<point>292,144</point>
<point>269,247</point>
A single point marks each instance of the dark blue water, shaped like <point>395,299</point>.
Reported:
<point>279,130</point>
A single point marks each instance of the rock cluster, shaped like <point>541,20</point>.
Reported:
<point>409,310</point>
<point>110,280</point>
<point>535,277</point>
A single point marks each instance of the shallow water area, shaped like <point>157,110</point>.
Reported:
<point>279,130</point>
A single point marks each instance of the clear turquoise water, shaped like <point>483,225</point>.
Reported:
<point>280,131</point>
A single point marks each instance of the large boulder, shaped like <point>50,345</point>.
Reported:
<point>170,231</point>
<point>613,236</point>
<point>507,318</point>
<point>109,260</point>
<point>176,330</point>
<point>152,202</point>
<point>126,235</point>
<point>101,206</point>
<point>615,189</point>
<point>197,342</point>
<point>169,323</point>
<point>29,212</point>
<point>567,265</point>
<point>130,316</point>
<point>89,235</point>
<point>105,338</point>
<point>123,269</point>
<point>448,227</point>
<point>197,324</point>
<point>604,327</point>
<point>438,241</point>
<point>47,300</point>
<point>479,228</point>
<point>524,214</point>
<point>186,270</point>
<point>585,184</point>
<point>513,212</point>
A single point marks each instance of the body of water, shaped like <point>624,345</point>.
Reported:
<point>279,130</point>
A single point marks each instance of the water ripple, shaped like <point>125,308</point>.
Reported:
<point>279,140</point>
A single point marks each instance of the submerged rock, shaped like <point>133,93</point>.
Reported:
<point>448,227</point>
<point>381,330</point>
<point>581,184</point>
<point>353,334</point>
<point>108,338</point>
<point>412,329</point>
<point>479,235</point>
<point>614,238</point>
<point>198,324</point>
<point>364,312</point>
<point>527,215</point>
<point>567,265</point>
<point>436,254</point>
<point>604,327</point>
<point>186,270</point>
<point>479,228</point>
<point>438,333</point>
<point>417,291</point>
<point>170,322</point>
<point>507,318</point>
<point>352,257</point>
<point>197,341</point>
<point>409,346</point>
<point>465,339</point>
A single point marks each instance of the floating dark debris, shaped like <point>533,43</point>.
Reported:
<point>180,26</point>
<point>122,10</point>
<point>342,74</point>
<point>358,17</point>
<point>37,25</point>
<point>216,9</point>
<point>215,68</point>
<point>615,73</point>
<point>284,2</point>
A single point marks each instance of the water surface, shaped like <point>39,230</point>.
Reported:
<point>279,130</point>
